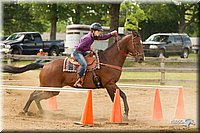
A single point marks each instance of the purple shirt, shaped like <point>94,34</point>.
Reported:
<point>87,40</point>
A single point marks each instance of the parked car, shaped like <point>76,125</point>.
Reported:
<point>29,43</point>
<point>4,49</point>
<point>166,44</point>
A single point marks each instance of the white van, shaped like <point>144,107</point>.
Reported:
<point>76,31</point>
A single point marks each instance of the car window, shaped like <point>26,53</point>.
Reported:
<point>186,39</point>
<point>15,37</point>
<point>178,39</point>
<point>29,37</point>
<point>170,39</point>
<point>159,38</point>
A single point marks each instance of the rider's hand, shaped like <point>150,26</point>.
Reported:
<point>114,33</point>
<point>91,53</point>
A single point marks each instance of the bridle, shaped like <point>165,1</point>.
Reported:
<point>123,53</point>
<point>133,43</point>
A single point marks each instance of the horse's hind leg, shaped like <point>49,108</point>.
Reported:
<point>30,100</point>
<point>44,95</point>
<point>38,96</point>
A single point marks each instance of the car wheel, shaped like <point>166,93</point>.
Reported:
<point>185,53</point>
<point>54,52</point>
<point>161,53</point>
<point>16,51</point>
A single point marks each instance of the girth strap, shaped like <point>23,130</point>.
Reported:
<point>112,66</point>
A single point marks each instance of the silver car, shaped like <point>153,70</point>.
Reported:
<point>4,49</point>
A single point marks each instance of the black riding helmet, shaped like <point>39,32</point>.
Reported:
<point>96,26</point>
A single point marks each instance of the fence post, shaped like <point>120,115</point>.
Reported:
<point>9,63</point>
<point>162,70</point>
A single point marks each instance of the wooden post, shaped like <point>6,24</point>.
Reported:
<point>162,70</point>
<point>9,63</point>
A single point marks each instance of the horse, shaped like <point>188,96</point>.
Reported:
<point>111,62</point>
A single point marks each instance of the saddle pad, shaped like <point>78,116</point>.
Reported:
<point>68,66</point>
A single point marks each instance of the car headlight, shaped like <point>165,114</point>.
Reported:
<point>7,46</point>
<point>153,47</point>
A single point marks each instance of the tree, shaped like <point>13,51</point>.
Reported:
<point>18,18</point>
<point>114,22</point>
<point>52,12</point>
<point>133,14</point>
<point>171,17</point>
<point>188,14</point>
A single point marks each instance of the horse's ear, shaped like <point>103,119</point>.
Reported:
<point>135,33</point>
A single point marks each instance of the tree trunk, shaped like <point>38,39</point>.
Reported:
<point>114,23</point>
<point>77,17</point>
<point>182,19</point>
<point>53,19</point>
<point>53,29</point>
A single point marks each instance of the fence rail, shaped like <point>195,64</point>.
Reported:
<point>147,59</point>
<point>162,69</point>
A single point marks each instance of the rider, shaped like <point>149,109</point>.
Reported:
<point>84,47</point>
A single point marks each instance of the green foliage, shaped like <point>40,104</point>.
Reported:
<point>185,15</point>
<point>150,17</point>
<point>19,17</point>
<point>133,14</point>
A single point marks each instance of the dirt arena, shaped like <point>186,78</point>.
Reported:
<point>71,105</point>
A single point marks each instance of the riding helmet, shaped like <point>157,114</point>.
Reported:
<point>96,26</point>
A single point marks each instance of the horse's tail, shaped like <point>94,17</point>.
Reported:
<point>12,69</point>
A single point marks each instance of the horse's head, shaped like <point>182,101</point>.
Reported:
<point>135,48</point>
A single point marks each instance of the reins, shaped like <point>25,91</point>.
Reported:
<point>121,52</point>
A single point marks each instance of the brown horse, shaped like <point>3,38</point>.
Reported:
<point>112,60</point>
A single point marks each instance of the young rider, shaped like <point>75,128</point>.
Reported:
<point>84,47</point>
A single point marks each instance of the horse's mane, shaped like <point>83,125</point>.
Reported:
<point>124,37</point>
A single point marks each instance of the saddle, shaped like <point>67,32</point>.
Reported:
<point>72,65</point>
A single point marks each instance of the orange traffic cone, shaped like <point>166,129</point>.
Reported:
<point>157,109</point>
<point>116,115</point>
<point>180,105</point>
<point>52,103</point>
<point>87,116</point>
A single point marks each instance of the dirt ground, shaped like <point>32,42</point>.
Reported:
<point>70,106</point>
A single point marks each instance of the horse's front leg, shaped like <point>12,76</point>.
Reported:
<point>111,89</point>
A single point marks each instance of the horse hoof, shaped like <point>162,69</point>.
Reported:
<point>30,114</point>
<point>22,113</point>
<point>125,117</point>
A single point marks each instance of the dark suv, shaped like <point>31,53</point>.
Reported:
<point>166,44</point>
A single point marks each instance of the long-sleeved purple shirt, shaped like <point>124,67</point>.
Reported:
<point>87,40</point>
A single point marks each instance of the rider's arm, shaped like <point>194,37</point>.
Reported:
<point>107,36</point>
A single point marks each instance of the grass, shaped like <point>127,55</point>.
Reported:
<point>168,76</point>
<point>129,63</point>
<point>156,75</point>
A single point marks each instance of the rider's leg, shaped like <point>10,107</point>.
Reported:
<point>80,58</point>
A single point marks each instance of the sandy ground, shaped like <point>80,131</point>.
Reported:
<point>71,105</point>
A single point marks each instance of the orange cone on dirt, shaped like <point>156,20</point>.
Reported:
<point>157,109</point>
<point>52,103</point>
<point>116,115</point>
<point>87,116</point>
<point>180,105</point>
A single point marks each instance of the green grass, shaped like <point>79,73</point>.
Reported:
<point>157,75</point>
<point>129,63</point>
